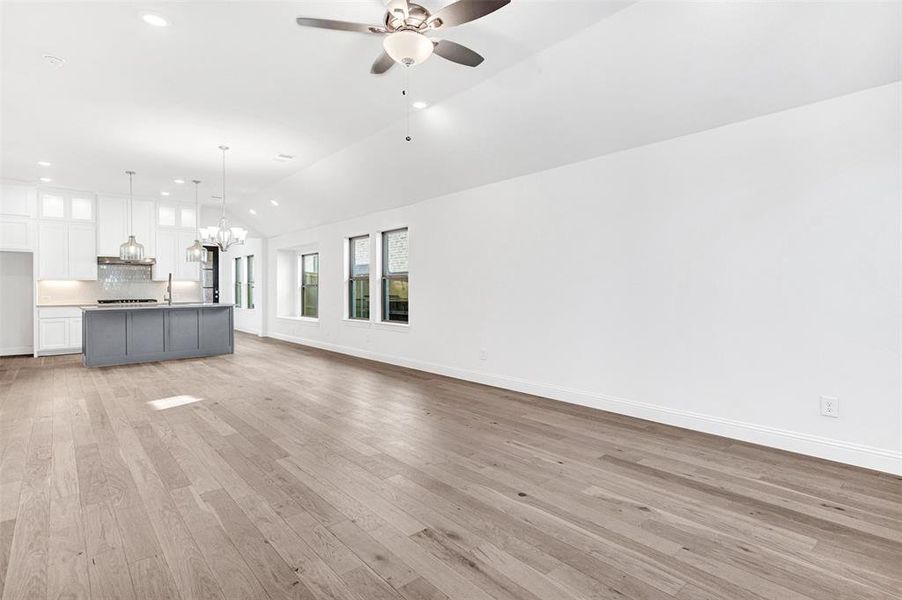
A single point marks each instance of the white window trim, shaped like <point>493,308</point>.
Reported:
<point>346,296</point>
<point>377,281</point>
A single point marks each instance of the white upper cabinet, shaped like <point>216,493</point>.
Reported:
<point>82,251</point>
<point>187,217</point>
<point>53,250</point>
<point>67,237</point>
<point>53,206</point>
<point>17,200</point>
<point>175,215</point>
<point>111,225</point>
<point>171,248</point>
<point>166,215</point>
<point>74,206</point>
<point>166,255</point>
<point>143,226</point>
<point>66,249</point>
<point>81,209</point>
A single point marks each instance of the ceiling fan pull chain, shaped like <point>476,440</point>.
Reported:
<point>406,105</point>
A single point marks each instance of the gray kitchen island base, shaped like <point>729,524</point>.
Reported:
<point>136,334</point>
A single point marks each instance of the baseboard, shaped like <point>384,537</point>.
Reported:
<point>250,331</point>
<point>16,350</point>
<point>859,455</point>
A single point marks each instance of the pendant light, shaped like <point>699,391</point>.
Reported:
<point>196,251</point>
<point>131,250</point>
<point>224,236</point>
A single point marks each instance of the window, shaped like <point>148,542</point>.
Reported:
<point>359,277</point>
<point>309,264</point>
<point>239,275</point>
<point>395,299</point>
<point>250,281</point>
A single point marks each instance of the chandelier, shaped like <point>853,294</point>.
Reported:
<point>225,236</point>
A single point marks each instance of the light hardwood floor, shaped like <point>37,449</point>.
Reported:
<point>295,473</point>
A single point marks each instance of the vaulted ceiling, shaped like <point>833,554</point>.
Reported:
<point>563,81</point>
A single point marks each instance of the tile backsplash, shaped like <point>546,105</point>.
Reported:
<point>113,282</point>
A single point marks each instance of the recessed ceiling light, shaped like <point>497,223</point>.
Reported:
<point>155,20</point>
<point>43,163</point>
<point>252,211</point>
<point>419,105</point>
<point>46,179</point>
<point>273,202</point>
<point>164,193</point>
<point>283,157</point>
<point>54,61</point>
<point>179,181</point>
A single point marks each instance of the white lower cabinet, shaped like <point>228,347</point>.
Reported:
<point>59,330</point>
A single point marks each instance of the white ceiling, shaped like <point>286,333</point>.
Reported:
<point>563,81</point>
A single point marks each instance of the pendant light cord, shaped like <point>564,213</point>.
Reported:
<point>406,105</point>
<point>196,210</point>
<point>223,148</point>
<point>131,215</point>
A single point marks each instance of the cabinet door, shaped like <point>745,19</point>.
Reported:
<point>187,271</point>
<point>53,206</point>
<point>74,338</point>
<point>17,200</point>
<point>187,217</point>
<point>81,208</point>
<point>53,334</point>
<point>166,255</point>
<point>111,225</point>
<point>143,227</point>
<point>82,252</point>
<point>16,233</point>
<point>167,215</point>
<point>53,251</point>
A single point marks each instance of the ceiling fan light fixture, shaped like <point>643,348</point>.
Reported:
<point>408,47</point>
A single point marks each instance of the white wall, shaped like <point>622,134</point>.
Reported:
<point>246,319</point>
<point>721,281</point>
<point>16,303</point>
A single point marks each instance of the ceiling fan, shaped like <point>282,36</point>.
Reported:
<point>404,28</point>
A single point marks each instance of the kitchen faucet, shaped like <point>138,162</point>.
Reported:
<point>168,296</point>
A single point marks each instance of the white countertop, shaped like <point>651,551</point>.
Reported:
<point>154,306</point>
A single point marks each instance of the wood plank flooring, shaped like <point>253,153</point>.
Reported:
<point>286,472</point>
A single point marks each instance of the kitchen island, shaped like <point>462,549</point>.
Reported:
<point>136,333</point>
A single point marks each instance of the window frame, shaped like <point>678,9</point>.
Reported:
<point>304,285</point>
<point>387,277</point>
<point>352,278</point>
<point>250,275</point>
<point>237,276</point>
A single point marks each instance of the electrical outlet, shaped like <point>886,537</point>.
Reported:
<point>483,354</point>
<point>829,406</point>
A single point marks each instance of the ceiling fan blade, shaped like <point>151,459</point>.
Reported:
<point>456,53</point>
<point>464,11</point>
<point>339,25</point>
<point>399,8</point>
<point>382,64</point>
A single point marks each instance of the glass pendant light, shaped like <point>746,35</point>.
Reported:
<point>131,250</point>
<point>225,236</point>
<point>196,251</point>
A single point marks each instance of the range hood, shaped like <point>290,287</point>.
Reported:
<point>115,260</point>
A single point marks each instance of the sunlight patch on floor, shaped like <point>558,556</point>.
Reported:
<point>172,402</point>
